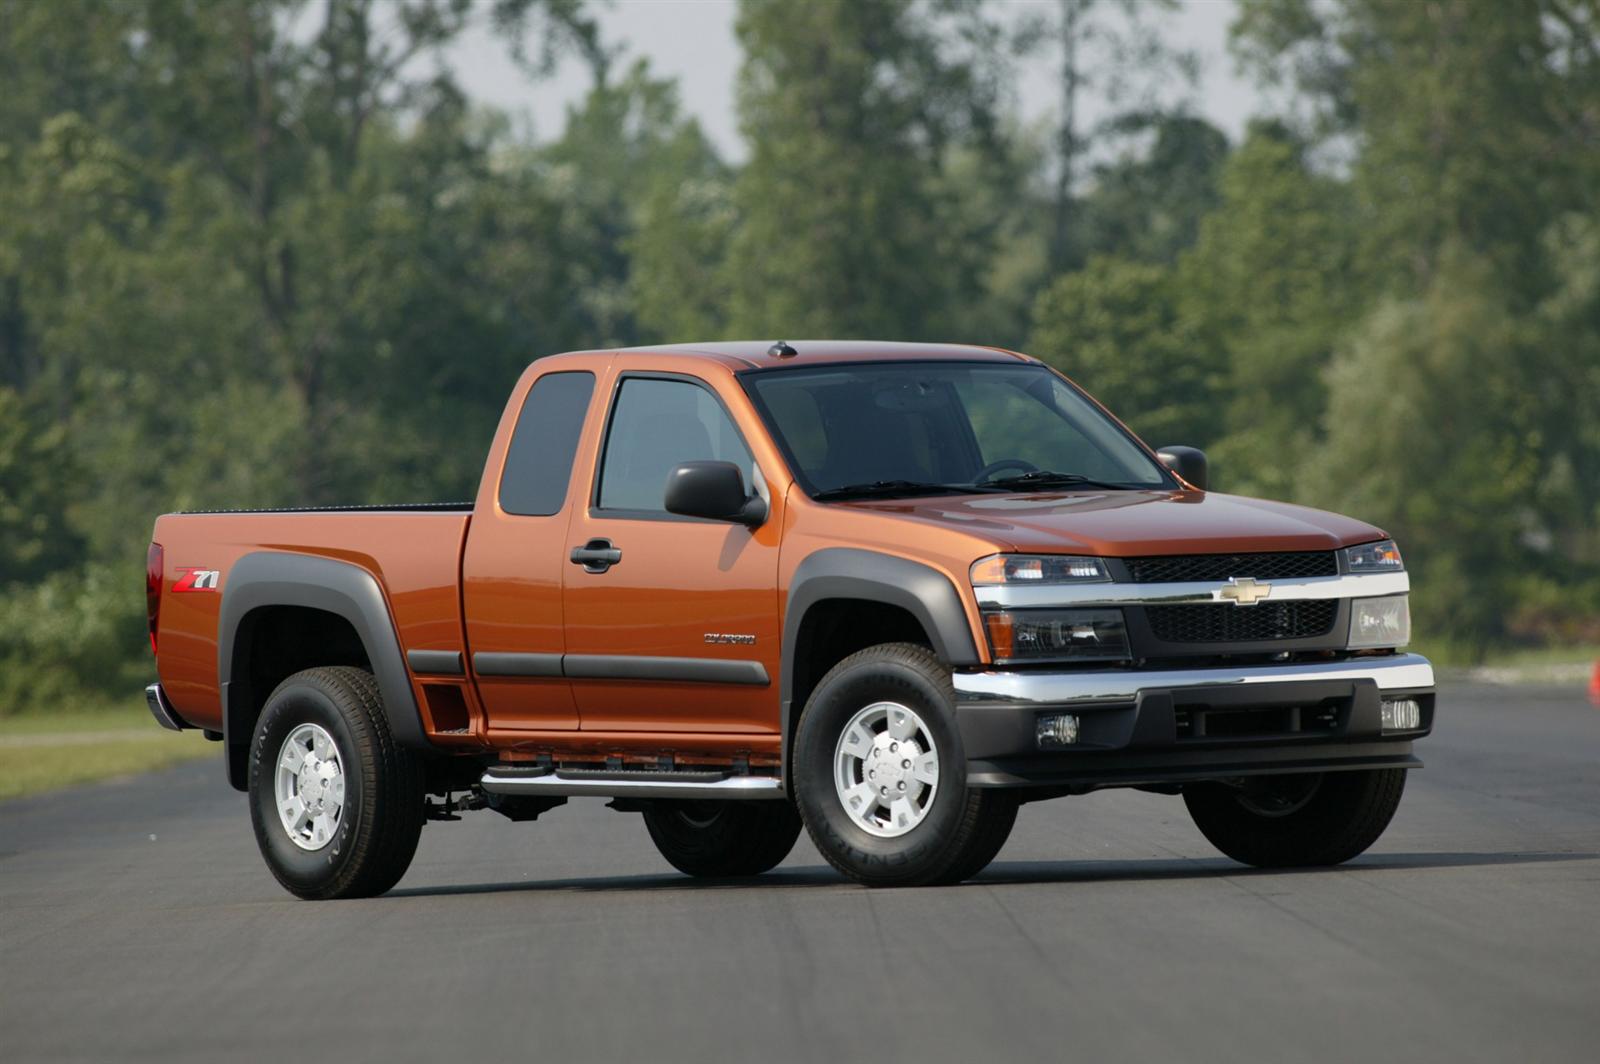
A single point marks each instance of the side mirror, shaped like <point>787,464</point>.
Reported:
<point>1188,462</point>
<point>714,490</point>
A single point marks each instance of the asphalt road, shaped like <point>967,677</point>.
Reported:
<point>136,920</point>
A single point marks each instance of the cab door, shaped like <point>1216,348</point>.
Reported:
<point>515,554</point>
<point>671,621</point>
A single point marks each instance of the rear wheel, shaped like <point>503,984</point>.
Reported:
<point>337,807</point>
<point>881,777</point>
<point>719,839</point>
<point>1297,821</point>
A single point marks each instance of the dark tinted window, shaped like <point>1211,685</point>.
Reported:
<point>943,424</point>
<point>656,425</point>
<point>539,463</point>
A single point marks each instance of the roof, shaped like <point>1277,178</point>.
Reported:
<point>754,353</point>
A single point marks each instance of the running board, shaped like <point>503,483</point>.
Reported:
<point>622,783</point>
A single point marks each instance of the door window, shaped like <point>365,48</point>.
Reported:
<point>539,460</point>
<point>656,425</point>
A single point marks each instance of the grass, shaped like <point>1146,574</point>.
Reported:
<point>1447,653</point>
<point>45,751</point>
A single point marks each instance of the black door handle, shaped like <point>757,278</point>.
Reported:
<point>596,556</point>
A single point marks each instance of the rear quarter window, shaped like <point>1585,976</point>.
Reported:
<point>539,462</point>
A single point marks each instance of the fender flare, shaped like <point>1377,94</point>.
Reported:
<point>275,578</point>
<point>852,573</point>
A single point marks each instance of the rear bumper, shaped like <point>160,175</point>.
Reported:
<point>161,708</point>
<point>1171,725</point>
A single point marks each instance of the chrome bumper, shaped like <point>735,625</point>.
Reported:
<point>161,708</point>
<point>1401,672</point>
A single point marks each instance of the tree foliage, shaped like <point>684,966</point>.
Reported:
<point>266,252</point>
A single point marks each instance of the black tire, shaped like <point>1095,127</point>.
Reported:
<point>381,817</point>
<point>961,831</point>
<point>1300,821</point>
<point>723,839</point>
<point>994,828</point>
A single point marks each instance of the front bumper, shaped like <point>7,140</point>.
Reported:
<point>1166,726</point>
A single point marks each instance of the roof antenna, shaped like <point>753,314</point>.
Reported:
<point>781,349</point>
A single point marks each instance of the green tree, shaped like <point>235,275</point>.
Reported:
<point>1426,435</point>
<point>644,196</point>
<point>1475,121</point>
<point>1268,288</point>
<point>1148,206</point>
<point>851,112</point>
<point>34,539</point>
<point>1110,52</point>
<point>1115,327</point>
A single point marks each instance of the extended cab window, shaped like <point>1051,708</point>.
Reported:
<point>539,461</point>
<point>655,425</point>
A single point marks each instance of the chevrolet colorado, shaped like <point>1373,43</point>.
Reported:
<point>884,592</point>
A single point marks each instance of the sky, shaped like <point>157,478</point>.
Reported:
<point>692,42</point>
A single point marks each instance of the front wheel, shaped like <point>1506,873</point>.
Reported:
<point>880,775</point>
<point>336,804</point>
<point>1297,821</point>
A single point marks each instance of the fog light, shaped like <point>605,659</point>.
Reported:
<point>1402,714</point>
<point>1057,729</point>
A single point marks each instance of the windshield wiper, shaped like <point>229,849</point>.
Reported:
<point>1047,478</point>
<point>887,488</point>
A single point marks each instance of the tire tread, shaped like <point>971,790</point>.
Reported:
<point>985,819</point>
<point>1346,816</point>
<point>392,781</point>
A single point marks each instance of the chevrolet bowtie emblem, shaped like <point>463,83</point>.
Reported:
<point>1244,591</point>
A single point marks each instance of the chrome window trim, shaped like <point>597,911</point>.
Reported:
<point>1400,672</point>
<point>1018,596</point>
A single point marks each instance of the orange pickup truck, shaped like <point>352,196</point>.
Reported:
<point>886,592</point>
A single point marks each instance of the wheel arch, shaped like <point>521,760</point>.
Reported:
<point>337,607</point>
<point>899,593</point>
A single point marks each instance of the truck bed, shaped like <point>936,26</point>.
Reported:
<point>413,551</point>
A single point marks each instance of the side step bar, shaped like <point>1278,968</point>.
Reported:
<point>604,783</point>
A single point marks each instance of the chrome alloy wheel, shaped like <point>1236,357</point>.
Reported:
<point>886,769</point>
<point>309,786</point>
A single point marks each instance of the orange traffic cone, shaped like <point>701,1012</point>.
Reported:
<point>1594,685</point>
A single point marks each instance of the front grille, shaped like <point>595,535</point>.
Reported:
<point>1227,623</point>
<point>1285,566</point>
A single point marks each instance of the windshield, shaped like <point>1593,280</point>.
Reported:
<point>940,427</point>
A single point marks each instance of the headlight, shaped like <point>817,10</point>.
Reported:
<point>999,569</point>
<point>1028,636</point>
<point>1380,557</point>
<point>1380,622</point>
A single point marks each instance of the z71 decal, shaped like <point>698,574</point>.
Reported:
<point>197,579</point>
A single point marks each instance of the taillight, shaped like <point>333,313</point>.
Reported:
<point>154,567</point>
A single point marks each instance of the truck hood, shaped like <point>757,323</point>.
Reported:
<point>1134,523</point>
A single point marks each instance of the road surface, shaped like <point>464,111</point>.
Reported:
<point>137,921</point>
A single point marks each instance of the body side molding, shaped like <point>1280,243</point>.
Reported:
<point>273,578</point>
<point>434,662</point>
<point>495,663</point>
<point>691,670</point>
<point>621,667</point>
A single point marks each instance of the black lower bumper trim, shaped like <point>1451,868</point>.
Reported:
<point>1193,733</point>
<point>1088,772</point>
